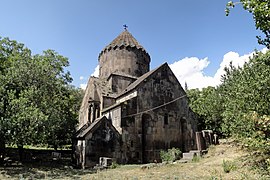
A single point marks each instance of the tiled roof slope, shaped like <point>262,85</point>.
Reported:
<point>125,39</point>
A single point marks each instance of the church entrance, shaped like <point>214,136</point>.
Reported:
<point>184,132</point>
<point>146,120</point>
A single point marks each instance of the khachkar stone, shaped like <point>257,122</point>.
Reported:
<point>125,56</point>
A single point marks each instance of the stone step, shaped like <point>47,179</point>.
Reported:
<point>197,152</point>
<point>189,155</point>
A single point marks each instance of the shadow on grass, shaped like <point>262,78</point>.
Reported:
<point>39,164</point>
<point>43,171</point>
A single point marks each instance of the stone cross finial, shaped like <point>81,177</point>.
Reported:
<point>125,26</point>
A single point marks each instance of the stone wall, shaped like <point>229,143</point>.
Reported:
<point>114,115</point>
<point>145,132</point>
<point>119,82</point>
<point>89,94</point>
<point>107,102</point>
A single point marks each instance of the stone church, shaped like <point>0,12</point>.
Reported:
<point>130,113</point>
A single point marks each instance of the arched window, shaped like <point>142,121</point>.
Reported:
<point>166,119</point>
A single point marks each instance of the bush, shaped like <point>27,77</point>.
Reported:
<point>228,166</point>
<point>114,165</point>
<point>196,158</point>
<point>170,155</point>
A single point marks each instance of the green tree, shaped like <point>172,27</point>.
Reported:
<point>246,113</point>
<point>63,117</point>
<point>10,52</point>
<point>260,9</point>
<point>208,105</point>
<point>246,90</point>
<point>240,106</point>
<point>38,105</point>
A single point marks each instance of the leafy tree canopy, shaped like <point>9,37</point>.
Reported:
<point>37,103</point>
<point>240,106</point>
<point>207,103</point>
<point>260,9</point>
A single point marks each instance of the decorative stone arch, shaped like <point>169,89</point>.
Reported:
<point>93,110</point>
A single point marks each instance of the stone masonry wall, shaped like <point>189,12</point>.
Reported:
<point>145,134</point>
<point>130,61</point>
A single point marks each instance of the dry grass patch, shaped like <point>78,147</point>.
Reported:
<point>209,167</point>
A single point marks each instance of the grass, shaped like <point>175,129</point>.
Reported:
<point>228,166</point>
<point>196,159</point>
<point>209,167</point>
<point>41,147</point>
<point>53,172</point>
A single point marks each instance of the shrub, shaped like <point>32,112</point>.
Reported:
<point>114,165</point>
<point>228,166</point>
<point>256,139</point>
<point>170,155</point>
<point>196,158</point>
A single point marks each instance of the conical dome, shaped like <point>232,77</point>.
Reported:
<point>124,55</point>
<point>125,39</point>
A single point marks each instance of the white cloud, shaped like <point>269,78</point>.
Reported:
<point>96,72</point>
<point>235,58</point>
<point>191,70</point>
<point>83,86</point>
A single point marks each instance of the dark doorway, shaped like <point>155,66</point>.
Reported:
<point>184,130</point>
<point>146,119</point>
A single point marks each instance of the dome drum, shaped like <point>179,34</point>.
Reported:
<point>130,61</point>
<point>124,55</point>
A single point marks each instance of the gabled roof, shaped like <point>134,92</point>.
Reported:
<point>121,74</point>
<point>84,131</point>
<point>125,39</point>
<point>140,80</point>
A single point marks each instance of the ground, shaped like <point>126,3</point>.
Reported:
<point>209,167</point>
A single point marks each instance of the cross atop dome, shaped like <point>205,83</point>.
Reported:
<point>125,26</point>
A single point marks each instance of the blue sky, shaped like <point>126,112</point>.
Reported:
<point>195,34</point>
